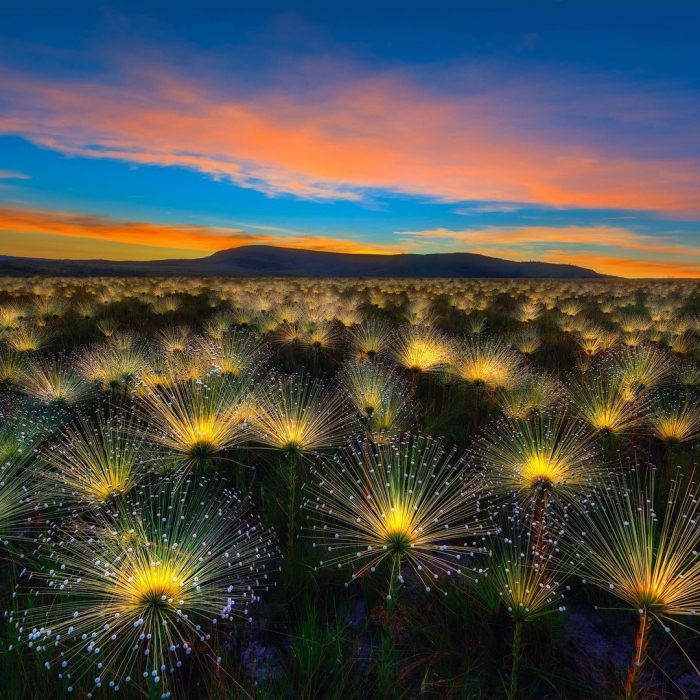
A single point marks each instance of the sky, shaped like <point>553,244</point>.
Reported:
<point>553,130</point>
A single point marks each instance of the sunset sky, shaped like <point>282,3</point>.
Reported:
<point>563,131</point>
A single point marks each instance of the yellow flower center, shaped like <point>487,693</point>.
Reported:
<point>153,586</point>
<point>399,528</point>
<point>539,469</point>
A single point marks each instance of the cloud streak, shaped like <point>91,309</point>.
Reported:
<point>193,240</point>
<point>607,236</point>
<point>12,175</point>
<point>539,143</point>
<point>611,250</point>
<point>626,267</point>
<point>608,249</point>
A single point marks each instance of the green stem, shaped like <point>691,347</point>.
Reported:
<point>387,667</point>
<point>517,641</point>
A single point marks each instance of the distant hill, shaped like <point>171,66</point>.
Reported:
<point>271,261</point>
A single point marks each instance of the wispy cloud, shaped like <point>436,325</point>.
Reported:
<point>607,236</point>
<point>609,249</point>
<point>489,208</point>
<point>188,238</point>
<point>627,267</point>
<point>566,141</point>
<point>12,175</point>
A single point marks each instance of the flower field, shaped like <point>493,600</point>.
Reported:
<point>349,488</point>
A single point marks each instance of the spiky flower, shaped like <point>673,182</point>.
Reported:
<point>264,322</point>
<point>683,343</point>
<point>10,315</point>
<point>297,415</point>
<point>648,558</point>
<point>173,338</point>
<point>488,363</point>
<point>125,601</point>
<point>477,324</point>
<point>407,502</point>
<point>571,307</point>
<point>546,455</point>
<point>236,352</point>
<point>288,335</point>
<point>12,364</point>
<point>218,325</point>
<point>527,340</point>
<point>196,420</point>
<point>19,502</point>
<point>48,307</point>
<point>675,422</point>
<point>394,417</point>
<point>421,349</point>
<point>108,326</point>
<point>643,367</point>
<point>370,338</point>
<point>87,309</point>
<point>590,339</point>
<point>191,366</point>
<point>689,375</point>
<point>112,364</point>
<point>525,569</point>
<point>527,574</point>
<point>380,397</point>
<point>94,460</point>
<point>53,381</point>
<point>167,304</point>
<point>124,340</point>
<point>604,402</point>
<point>323,336</point>
<point>366,385</point>
<point>28,338</point>
<point>527,311</point>
<point>534,393</point>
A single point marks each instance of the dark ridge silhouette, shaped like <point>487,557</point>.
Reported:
<point>271,261</point>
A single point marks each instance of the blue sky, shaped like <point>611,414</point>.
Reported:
<point>560,131</point>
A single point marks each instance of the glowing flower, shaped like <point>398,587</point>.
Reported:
<point>405,501</point>
<point>675,422</point>
<point>53,381</point>
<point>19,479</point>
<point>605,402</point>
<point>546,454</point>
<point>28,338</point>
<point>93,461</point>
<point>649,559</point>
<point>196,420</point>
<point>126,600</point>
<point>296,415</point>
<point>534,393</point>
<point>487,363</point>
<point>422,349</point>
<point>370,338</point>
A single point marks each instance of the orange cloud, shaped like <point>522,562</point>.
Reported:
<point>193,240</point>
<point>625,267</point>
<point>382,131</point>
<point>625,253</point>
<point>612,236</point>
<point>37,232</point>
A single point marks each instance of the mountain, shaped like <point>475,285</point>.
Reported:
<point>270,261</point>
